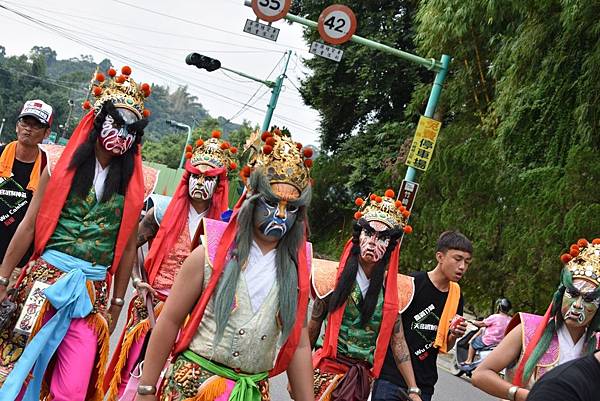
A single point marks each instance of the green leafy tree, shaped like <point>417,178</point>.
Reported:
<point>517,162</point>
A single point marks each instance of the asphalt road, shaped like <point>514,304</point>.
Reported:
<point>448,388</point>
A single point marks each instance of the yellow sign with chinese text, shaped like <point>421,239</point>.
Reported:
<point>423,143</point>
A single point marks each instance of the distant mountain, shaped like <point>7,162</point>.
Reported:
<point>40,74</point>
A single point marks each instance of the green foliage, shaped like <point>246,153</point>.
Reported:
<point>40,75</point>
<point>517,164</point>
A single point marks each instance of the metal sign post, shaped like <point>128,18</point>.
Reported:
<point>439,66</point>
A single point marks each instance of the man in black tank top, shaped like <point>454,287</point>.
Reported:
<point>422,318</point>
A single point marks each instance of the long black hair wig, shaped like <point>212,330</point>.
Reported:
<point>345,284</point>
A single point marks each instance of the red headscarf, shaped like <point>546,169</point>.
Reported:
<point>59,186</point>
<point>390,314</point>
<point>287,351</point>
<point>173,222</point>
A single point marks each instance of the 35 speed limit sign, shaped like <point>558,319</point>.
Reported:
<point>271,10</point>
<point>337,24</point>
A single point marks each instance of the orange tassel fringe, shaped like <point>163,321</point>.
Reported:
<point>138,332</point>
<point>212,388</point>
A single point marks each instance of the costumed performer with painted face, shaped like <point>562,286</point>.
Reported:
<point>567,331</point>
<point>83,221</point>
<point>202,192</point>
<point>246,291</point>
<point>360,299</point>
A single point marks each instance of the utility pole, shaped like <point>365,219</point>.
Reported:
<point>2,127</point>
<point>187,141</point>
<point>65,126</point>
<point>210,64</point>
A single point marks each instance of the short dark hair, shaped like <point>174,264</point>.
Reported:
<point>453,240</point>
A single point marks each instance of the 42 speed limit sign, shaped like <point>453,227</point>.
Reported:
<point>271,10</point>
<point>337,24</point>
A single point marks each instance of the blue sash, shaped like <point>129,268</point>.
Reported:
<point>69,296</point>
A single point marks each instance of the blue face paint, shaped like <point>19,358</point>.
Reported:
<point>274,219</point>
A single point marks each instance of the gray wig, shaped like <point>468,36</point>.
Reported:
<point>286,260</point>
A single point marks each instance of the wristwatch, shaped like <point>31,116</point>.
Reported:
<point>414,390</point>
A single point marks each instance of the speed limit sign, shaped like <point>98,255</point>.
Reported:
<point>271,10</point>
<point>337,24</point>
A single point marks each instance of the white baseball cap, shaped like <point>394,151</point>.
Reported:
<point>39,109</point>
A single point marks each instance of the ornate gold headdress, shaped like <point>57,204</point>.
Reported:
<point>121,90</point>
<point>213,152</point>
<point>282,160</point>
<point>384,209</point>
<point>583,260</point>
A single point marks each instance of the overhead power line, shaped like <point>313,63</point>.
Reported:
<point>144,66</point>
<point>203,25</point>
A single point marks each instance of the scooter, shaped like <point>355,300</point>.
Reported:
<point>461,351</point>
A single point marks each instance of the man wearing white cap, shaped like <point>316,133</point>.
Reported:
<point>21,164</point>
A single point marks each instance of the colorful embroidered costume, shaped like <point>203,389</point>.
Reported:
<point>546,341</point>
<point>208,164</point>
<point>247,322</point>
<point>357,336</point>
<point>80,239</point>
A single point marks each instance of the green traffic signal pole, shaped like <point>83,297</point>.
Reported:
<point>275,89</point>
<point>275,94</point>
<point>440,67</point>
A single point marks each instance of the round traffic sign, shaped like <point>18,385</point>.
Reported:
<point>337,24</point>
<point>271,10</point>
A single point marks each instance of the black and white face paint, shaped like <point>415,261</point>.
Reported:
<point>202,187</point>
<point>115,136</point>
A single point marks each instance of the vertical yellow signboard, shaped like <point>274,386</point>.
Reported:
<point>423,143</point>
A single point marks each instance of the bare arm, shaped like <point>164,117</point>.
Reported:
<point>185,292</point>
<point>25,231</point>
<point>486,375</point>
<point>402,356</point>
<point>319,313</point>
<point>300,370</point>
<point>122,279</point>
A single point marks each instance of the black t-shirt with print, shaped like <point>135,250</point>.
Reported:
<point>14,201</point>
<point>420,321</point>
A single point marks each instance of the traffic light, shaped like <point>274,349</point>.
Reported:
<point>200,61</point>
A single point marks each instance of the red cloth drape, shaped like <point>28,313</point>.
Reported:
<point>173,222</point>
<point>59,186</point>
<point>389,315</point>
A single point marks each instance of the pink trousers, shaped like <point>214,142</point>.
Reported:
<point>132,357</point>
<point>73,362</point>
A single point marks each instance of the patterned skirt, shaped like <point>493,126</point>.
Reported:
<point>134,334</point>
<point>12,343</point>
<point>187,381</point>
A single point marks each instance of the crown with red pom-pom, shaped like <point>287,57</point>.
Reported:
<point>583,260</point>
<point>213,152</point>
<point>121,90</point>
<point>282,160</point>
<point>385,209</point>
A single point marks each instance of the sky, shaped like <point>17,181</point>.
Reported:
<point>153,37</point>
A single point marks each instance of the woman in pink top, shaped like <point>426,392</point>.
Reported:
<point>495,325</point>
